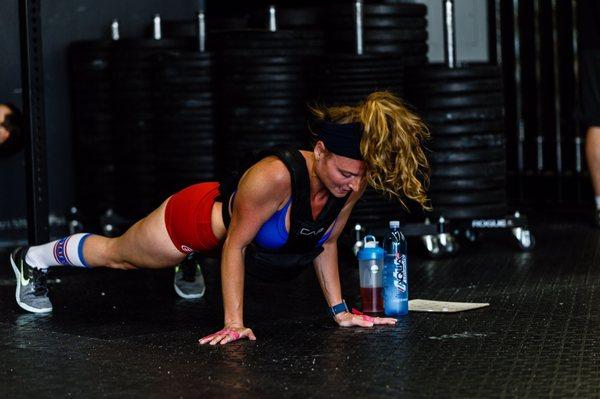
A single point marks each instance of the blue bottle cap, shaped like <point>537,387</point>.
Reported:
<point>370,249</point>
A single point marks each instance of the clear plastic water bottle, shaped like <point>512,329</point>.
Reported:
<point>395,278</point>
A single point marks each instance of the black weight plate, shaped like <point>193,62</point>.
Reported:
<point>444,73</point>
<point>307,50</point>
<point>298,45</point>
<point>205,123</point>
<point>344,100</point>
<point>182,89</point>
<point>365,82</point>
<point>383,36</point>
<point>425,87</point>
<point>179,66</point>
<point>250,62</point>
<point>468,197</point>
<point>177,55</point>
<point>199,107</point>
<point>239,147</point>
<point>403,49</point>
<point>381,62</point>
<point>473,155</point>
<point>185,141</point>
<point>237,112</point>
<point>467,142</point>
<point>194,106</point>
<point>183,86</point>
<point>186,75</point>
<point>450,184</point>
<point>458,101</point>
<point>293,86</point>
<point>263,69</point>
<point>258,119</point>
<point>398,49</point>
<point>265,103</point>
<point>175,125</point>
<point>188,141</point>
<point>461,115</point>
<point>276,78</point>
<point>339,88</point>
<point>252,139</point>
<point>472,211</point>
<point>206,97</point>
<point>274,134</point>
<point>134,47</point>
<point>387,21</point>
<point>353,93</point>
<point>484,169</point>
<point>237,97</point>
<point>184,101</point>
<point>404,9</point>
<point>359,86</point>
<point>353,70</point>
<point>358,59</point>
<point>262,35</point>
<point>491,126</point>
<point>328,76</point>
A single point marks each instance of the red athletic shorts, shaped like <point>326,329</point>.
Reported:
<point>188,218</point>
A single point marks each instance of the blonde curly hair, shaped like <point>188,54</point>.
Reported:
<point>391,144</point>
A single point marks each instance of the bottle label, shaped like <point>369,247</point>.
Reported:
<point>400,272</point>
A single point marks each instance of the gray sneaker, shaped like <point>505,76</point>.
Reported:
<point>32,292</point>
<point>189,282</point>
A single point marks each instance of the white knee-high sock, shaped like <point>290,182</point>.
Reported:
<point>597,202</point>
<point>67,251</point>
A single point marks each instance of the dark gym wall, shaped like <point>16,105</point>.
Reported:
<point>63,21</point>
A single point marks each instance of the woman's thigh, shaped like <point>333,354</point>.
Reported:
<point>147,243</point>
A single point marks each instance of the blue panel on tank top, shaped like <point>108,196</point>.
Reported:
<point>274,235</point>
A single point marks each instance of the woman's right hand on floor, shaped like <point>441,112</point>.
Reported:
<point>228,334</point>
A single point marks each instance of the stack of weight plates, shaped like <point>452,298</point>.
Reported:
<point>464,108</point>
<point>186,149</point>
<point>92,128</point>
<point>346,79</point>
<point>264,86</point>
<point>399,29</point>
<point>137,105</point>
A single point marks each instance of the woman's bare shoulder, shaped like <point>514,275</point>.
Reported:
<point>269,176</point>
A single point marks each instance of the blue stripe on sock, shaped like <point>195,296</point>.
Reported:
<point>80,250</point>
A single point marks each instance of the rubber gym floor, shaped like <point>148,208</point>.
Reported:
<point>126,334</point>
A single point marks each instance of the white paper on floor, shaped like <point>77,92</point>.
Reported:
<point>425,305</point>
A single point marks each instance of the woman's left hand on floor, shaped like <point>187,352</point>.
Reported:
<point>228,334</point>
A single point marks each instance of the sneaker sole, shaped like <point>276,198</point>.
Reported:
<point>18,291</point>
<point>188,296</point>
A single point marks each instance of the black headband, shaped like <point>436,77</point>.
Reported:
<point>342,139</point>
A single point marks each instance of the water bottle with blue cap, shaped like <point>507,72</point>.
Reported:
<point>370,264</point>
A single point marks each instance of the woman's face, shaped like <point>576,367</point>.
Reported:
<point>339,174</point>
<point>4,133</point>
